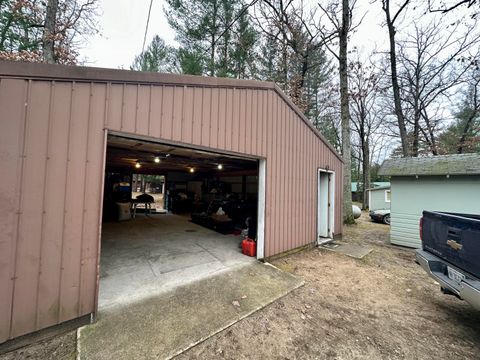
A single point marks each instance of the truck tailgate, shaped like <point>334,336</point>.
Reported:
<point>454,238</point>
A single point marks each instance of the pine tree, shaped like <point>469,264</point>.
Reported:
<point>244,55</point>
<point>216,37</point>
<point>156,58</point>
<point>197,25</point>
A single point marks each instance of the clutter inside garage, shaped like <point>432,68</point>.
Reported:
<point>172,215</point>
<point>217,191</point>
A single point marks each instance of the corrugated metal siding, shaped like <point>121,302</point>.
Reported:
<point>410,196</point>
<point>52,145</point>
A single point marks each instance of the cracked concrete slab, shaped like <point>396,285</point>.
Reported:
<point>150,255</point>
<point>162,326</point>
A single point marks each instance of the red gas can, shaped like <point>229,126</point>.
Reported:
<point>249,247</point>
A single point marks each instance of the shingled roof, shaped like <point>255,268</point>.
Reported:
<point>458,164</point>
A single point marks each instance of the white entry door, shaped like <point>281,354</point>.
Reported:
<point>325,211</point>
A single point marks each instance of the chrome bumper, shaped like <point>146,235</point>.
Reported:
<point>468,289</point>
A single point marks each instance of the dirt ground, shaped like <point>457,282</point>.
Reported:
<point>381,307</point>
<point>63,347</point>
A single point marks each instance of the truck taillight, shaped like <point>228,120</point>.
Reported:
<point>421,228</point>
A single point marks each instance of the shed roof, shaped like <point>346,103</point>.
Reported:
<point>457,164</point>
<point>383,187</point>
<point>376,184</point>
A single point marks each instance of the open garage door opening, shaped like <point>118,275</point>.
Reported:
<point>173,215</point>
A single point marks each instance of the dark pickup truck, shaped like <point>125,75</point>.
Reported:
<point>451,253</point>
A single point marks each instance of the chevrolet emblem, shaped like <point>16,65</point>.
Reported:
<point>454,245</point>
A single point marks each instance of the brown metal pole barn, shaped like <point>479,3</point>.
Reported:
<point>54,122</point>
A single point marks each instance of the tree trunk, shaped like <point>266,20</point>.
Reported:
<point>345,115</point>
<point>49,32</point>
<point>395,86</point>
<point>213,39</point>
<point>416,133</point>
<point>365,171</point>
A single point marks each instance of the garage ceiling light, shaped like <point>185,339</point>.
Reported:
<point>219,166</point>
<point>157,160</point>
<point>138,165</point>
<point>192,170</point>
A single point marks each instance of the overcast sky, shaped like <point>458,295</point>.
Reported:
<point>123,23</point>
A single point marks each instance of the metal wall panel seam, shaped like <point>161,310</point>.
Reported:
<point>296,208</point>
<point>149,108</point>
<point>296,185</point>
<point>283,137</point>
<point>275,241</point>
<point>64,204</point>
<point>287,178</point>
<point>264,122</point>
<point>269,176</point>
<point>258,122</point>
<point>23,145</point>
<point>100,215</point>
<point>287,175</point>
<point>231,120</point>
<point>243,124</point>
<point>162,112</point>
<point>29,235</point>
<point>172,119</point>
<point>268,184</point>
<point>276,166</point>
<point>182,125</point>
<point>218,119</point>
<point>238,119</point>
<point>84,210</point>
<point>308,183</point>
<point>308,164</point>
<point>253,122</point>
<point>247,138</point>
<point>136,109</point>
<point>45,177</point>
<point>280,181</point>
<point>305,166</point>
<point>122,113</point>
<point>210,111</point>
<point>193,117</point>
<point>201,116</point>
<point>107,97</point>
<point>312,184</point>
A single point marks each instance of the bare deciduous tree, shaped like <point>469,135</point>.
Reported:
<point>391,19</point>
<point>341,20</point>
<point>434,60</point>
<point>292,28</point>
<point>364,82</point>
